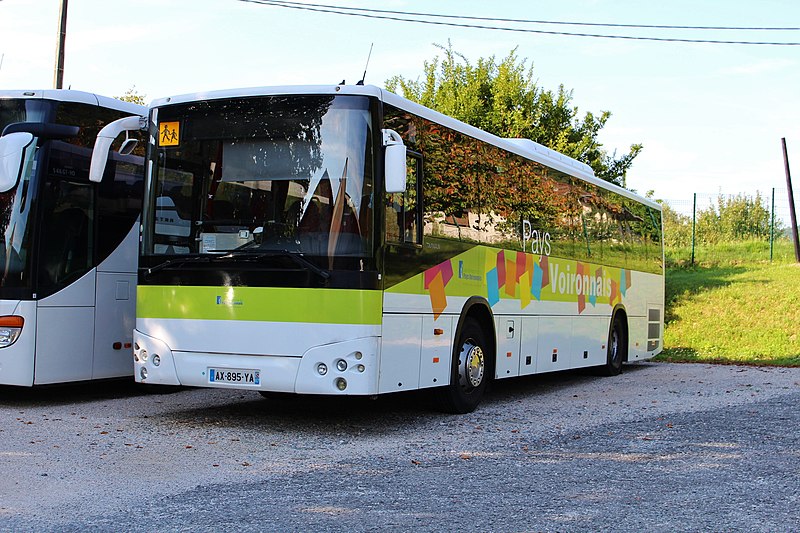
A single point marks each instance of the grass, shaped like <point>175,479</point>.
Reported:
<point>733,313</point>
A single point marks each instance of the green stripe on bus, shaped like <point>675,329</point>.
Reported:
<point>323,306</point>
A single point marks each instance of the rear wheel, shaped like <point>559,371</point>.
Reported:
<point>469,370</point>
<point>617,347</point>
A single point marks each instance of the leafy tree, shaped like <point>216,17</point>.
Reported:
<point>503,98</point>
<point>677,227</point>
<point>133,96</point>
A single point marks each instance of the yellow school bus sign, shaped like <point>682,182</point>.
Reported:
<point>169,133</point>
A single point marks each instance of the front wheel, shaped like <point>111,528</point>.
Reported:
<point>469,370</point>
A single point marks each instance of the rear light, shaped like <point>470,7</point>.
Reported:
<point>10,328</point>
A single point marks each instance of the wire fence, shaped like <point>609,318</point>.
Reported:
<point>704,229</point>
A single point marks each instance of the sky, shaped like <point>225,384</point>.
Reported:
<point>710,116</point>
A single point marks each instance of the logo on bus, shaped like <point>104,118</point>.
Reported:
<point>464,274</point>
<point>222,300</point>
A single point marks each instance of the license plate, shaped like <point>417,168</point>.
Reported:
<point>239,376</point>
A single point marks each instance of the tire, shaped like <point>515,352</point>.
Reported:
<point>469,370</point>
<point>617,350</point>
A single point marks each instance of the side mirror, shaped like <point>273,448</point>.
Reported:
<point>12,157</point>
<point>128,146</point>
<point>104,140</point>
<point>394,161</point>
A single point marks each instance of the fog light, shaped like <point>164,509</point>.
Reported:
<point>341,365</point>
<point>143,355</point>
<point>360,368</point>
<point>322,369</point>
<point>341,383</point>
<point>156,359</point>
<point>359,355</point>
<point>143,373</point>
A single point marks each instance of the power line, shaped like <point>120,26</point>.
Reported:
<point>337,10</point>
<point>532,21</point>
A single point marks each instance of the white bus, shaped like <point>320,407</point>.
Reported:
<point>344,240</point>
<point>69,249</point>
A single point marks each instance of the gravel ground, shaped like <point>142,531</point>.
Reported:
<point>662,447</point>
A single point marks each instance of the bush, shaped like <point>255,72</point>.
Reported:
<point>730,219</point>
<point>677,228</point>
<point>734,219</point>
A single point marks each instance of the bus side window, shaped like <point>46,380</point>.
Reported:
<point>403,212</point>
<point>67,233</point>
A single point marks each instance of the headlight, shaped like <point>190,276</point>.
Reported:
<point>10,329</point>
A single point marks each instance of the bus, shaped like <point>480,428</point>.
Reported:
<point>343,240</point>
<point>69,251</point>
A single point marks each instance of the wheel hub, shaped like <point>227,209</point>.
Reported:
<point>471,365</point>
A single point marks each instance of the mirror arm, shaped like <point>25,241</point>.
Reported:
<point>12,157</point>
<point>44,130</point>
<point>104,140</point>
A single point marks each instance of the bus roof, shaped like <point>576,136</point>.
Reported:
<point>524,147</point>
<point>68,95</point>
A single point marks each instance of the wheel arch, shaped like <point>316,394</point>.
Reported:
<point>479,308</point>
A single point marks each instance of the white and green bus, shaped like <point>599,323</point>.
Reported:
<point>344,240</point>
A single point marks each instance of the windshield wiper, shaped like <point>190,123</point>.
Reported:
<point>294,256</point>
<point>179,261</point>
<point>233,255</point>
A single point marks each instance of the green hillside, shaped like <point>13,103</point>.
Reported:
<point>739,314</point>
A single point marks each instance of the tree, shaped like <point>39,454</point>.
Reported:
<point>735,218</point>
<point>132,96</point>
<point>677,227</point>
<point>503,98</point>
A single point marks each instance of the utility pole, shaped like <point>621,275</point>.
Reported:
<point>792,213</point>
<point>58,79</point>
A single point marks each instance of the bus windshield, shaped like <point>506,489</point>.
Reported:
<point>244,176</point>
<point>49,219</point>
